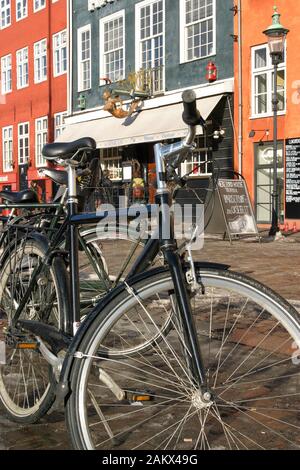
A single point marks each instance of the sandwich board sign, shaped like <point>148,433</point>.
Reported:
<point>237,208</point>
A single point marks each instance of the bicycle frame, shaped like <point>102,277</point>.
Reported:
<point>168,245</point>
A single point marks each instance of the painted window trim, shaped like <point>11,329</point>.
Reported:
<point>102,21</point>
<point>34,60</point>
<point>138,8</point>
<point>6,92</point>
<point>269,69</point>
<point>19,87</point>
<point>10,11</point>
<point>42,163</point>
<point>182,28</point>
<point>54,50</point>
<point>35,10</point>
<point>4,167</point>
<point>61,113</point>
<point>79,80</point>
<point>19,125</point>
<point>26,14</point>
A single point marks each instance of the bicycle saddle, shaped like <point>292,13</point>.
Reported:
<point>15,197</point>
<point>65,150</point>
<point>58,176</point>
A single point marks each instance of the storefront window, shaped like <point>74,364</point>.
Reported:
<point>111,163</point>
<point>199,164</point>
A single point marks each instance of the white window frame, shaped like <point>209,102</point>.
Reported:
<point>4,9</point>
<point>56,72</point>
<point>268,70</point>
<point>41,134</point>
<point>40,77</point>
<point>23,9</point>
<point>6,71</point>
<point>183,30</point>
<point>80,31</point>
<point>21,63</point>
<point>111,160</point>
<point>103,21</point>
<point>59,128</point>
<point>195,159</point>
<point>22,158</point>
<point>138,39</point>
<point>7,148</point>
<point>41,4</point>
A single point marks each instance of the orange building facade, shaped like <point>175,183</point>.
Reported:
<point>33,99</point>
<point>254,113</point>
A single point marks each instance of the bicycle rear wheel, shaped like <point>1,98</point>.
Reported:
<point>148,400</point>
<point>27,383</point>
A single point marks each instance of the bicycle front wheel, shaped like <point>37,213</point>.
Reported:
<point>248,337</point>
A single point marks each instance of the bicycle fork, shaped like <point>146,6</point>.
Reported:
<point>168,246</point>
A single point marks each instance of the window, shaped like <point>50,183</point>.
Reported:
<point>263,82</point>
<point>112,41</point>
<point>59,123</point>
<point>22,68</point>
<point>7,148</point>
<point>111,161</point>
<point>6,74</point>
<point>84,58</point>
<point>23,143</point>
<point>38,5</point>
<point>150,42</point>
<point>40,61</point>
<point>197,29</point>
<point>5,12</point>
<point>41,137</point>
<point>200,156</point>
<point>60,53</point>
<point>21,9</point>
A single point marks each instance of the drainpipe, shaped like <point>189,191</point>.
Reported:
<point>240,87</point>
<point>70,57</point>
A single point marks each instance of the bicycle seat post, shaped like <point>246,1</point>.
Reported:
<point>72,207</point>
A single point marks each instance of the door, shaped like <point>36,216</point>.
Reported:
<point>264,183</point>
<point>23,177</point>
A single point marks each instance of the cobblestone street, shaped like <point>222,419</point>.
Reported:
<point>276,264</point>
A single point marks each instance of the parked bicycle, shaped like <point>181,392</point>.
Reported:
<point>190,356</point>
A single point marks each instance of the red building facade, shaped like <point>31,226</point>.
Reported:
<point>254,112</point>
<point>33,88</point>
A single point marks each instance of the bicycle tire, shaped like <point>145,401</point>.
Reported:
<point>239,301</point>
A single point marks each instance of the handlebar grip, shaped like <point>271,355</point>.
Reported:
<point>191,116</point>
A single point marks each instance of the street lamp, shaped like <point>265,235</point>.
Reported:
<point>276,34</point>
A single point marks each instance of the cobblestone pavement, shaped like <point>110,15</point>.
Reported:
<point>276,264</point>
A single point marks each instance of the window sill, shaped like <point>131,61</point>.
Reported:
<point>186,61</point>
<point>59,74</point>
<point>267,115</point>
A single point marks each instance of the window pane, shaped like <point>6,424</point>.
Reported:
<point>261,58</point>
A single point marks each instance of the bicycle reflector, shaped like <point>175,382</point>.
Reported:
<point>28,345</point>
<point>138,396</point>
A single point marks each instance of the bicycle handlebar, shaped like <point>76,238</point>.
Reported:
<point>191,115</point>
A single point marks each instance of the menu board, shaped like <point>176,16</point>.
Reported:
<point>237,207</point>
<point>292,172</point>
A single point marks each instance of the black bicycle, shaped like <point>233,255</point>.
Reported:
<point>190,356</point>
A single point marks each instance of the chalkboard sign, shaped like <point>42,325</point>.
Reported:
<point>292,188</point>
<point>237,208</point>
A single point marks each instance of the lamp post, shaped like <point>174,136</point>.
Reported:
<point>276,34</point>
